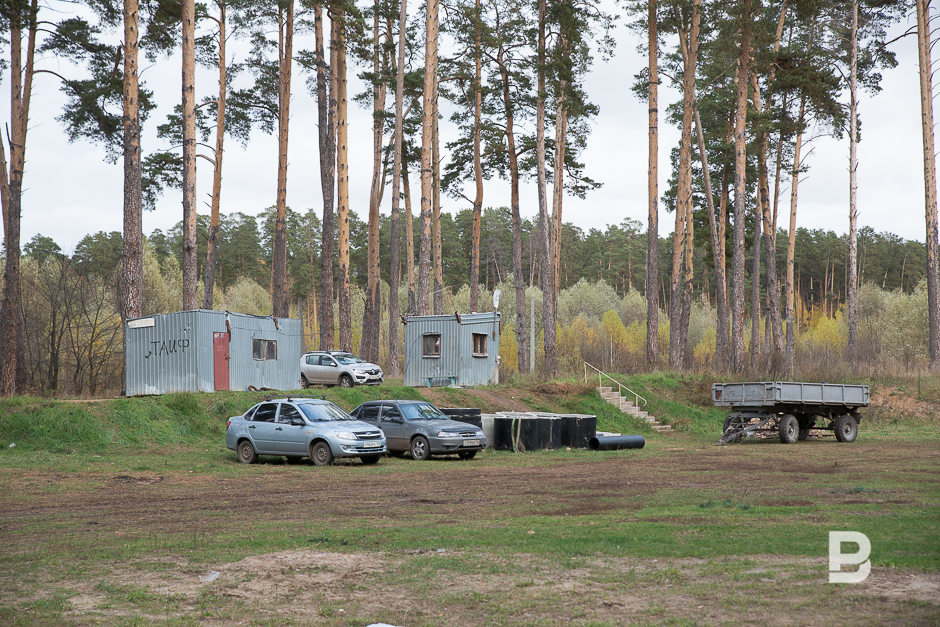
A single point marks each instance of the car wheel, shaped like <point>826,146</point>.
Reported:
<point>789,429</point>
<point>467,454</point>
<point>846,428</point>
<point>321,454</point>
<point>303,382</point>
<point>368,460</point>
<point>246,452</point>
<point>345,381</point>
<point>420,449</point>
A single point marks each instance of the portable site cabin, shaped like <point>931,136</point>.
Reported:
<point>205,351</point>
<point>460,349</point>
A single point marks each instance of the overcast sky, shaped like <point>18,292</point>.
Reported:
<point>70,191</point>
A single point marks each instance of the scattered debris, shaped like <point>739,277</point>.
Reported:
<point>210,576</point>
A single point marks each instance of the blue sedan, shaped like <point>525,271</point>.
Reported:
<point>302,427</point>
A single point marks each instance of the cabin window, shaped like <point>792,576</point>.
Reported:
<point>479,344</point>
<point>264,350</point>
<point>432,345</point>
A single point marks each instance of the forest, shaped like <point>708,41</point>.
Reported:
<point>737,286</point>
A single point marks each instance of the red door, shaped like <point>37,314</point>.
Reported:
<point>220,360</point>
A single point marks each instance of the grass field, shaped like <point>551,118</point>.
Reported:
<point>119,511</point>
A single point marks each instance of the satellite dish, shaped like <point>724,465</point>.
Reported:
<point>496,295</point>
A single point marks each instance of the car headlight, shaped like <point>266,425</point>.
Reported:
<point>345,435</point>
<point>448,434</point>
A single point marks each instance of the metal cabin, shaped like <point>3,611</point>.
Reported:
<point>460,349</point>
<point>206,351</point>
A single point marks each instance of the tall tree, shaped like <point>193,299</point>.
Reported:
<point>133,248</point>
<point>394,367</point>
<point>285,56</point>
<point>372,312</point>
<point>688,26</point>
<point>924,42</point>
<point>342,183</point>
<point>436,251</point>
<point>190,265</point>
<point>507,39</point>
<point>20,17</point>
<point>740,192</point>
<point>852,270</point>
<point>545,241</point>
<point>326,109</point>
<point>652,229</point>
<point>216,201</point>
<point>791,240</point>
<point>477,158</point>
<point>428,110</point>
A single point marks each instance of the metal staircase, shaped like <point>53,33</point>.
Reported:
<point>616,397</point>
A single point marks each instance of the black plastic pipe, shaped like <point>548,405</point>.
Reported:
<point>616,442</point>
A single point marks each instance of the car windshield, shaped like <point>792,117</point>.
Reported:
<point>348,359</point>
<point>322,412</point>
<point>422,411</point>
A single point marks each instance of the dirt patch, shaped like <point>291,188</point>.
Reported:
<point>489,401</point>
<point>892,401</point>
<point>563,389</point>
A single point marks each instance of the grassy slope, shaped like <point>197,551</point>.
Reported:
<point>198,420</point>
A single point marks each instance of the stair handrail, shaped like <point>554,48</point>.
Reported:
<point>620,386</point>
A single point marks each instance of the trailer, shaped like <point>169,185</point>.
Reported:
<point>790,409</point>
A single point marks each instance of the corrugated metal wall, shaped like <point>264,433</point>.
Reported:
<point>456,360</point>
<point>173,352</point>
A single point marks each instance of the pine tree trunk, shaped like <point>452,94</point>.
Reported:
<point>558,183</point>
<point>717,244</point>
<point>132,257</point>
<point>545,244</point>
<point>342,188</point>
<point>436,211</point>
<point>652,229</point>
<point>279,299</point>
<point>773,322</point>
<point>477,160</point>
<point>190,265</point>
<point>409,239</point>
<point>723,313</point>
<point>209,279</point>
<point>12,365</point>
<point>740,193</point>
<point>930,179</point>
<point>755,291</point>
<point>791,241</point>
<point>681,300</point>
<point>326,108</point>
<point>427,157</point>
<point>369,349</point>
<point>394,366</point>
<point>518,280</point>
<point>852,269</point>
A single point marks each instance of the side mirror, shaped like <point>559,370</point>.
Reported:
<point>297,422</point>
<point>397,419</point>
<point>333,364</point>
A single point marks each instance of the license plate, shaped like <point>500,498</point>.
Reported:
<point>372,444</point>
<point>471,443</point>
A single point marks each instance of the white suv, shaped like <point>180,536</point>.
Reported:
<point>337,368</point>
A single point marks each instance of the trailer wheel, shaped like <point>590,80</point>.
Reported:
<point>846,428</point>
<point>789,429</point>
